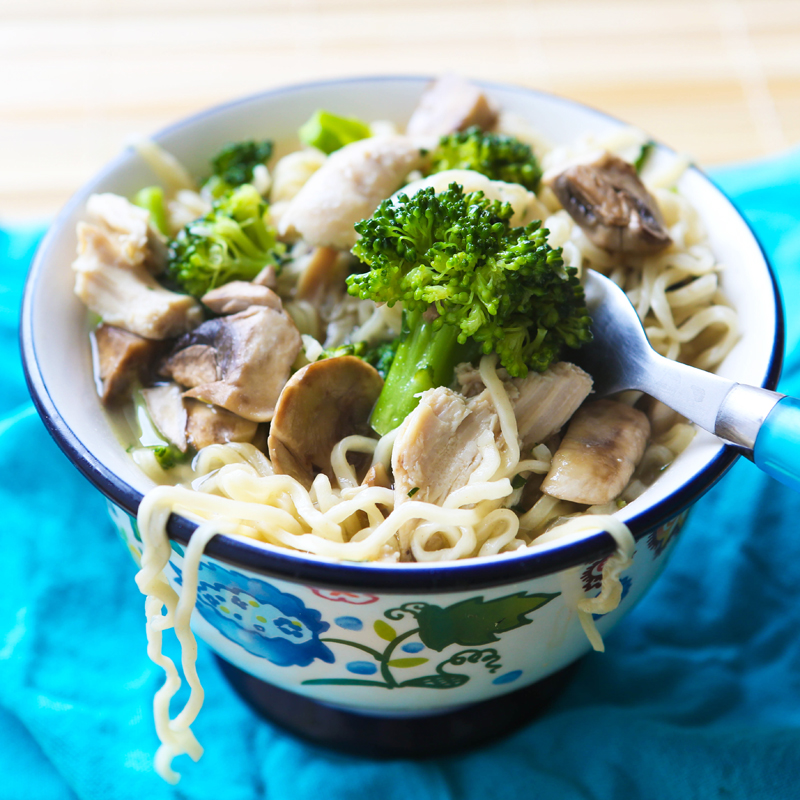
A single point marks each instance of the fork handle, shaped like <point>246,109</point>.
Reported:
<point>777,445</point>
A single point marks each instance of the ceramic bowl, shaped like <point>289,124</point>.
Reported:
<point>402,641</point>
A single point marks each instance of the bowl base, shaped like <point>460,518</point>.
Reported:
<point>392,737</point>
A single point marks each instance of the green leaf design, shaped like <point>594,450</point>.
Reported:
<point>474,622</point>
<point>385,630</point>
<point>444,680</point>
<point>404,663</point>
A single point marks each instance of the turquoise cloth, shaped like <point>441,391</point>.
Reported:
<point>697,696</point>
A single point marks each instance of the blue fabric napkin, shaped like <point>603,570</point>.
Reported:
<point>697,696</point>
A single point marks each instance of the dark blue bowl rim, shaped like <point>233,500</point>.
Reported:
<point>348,576</point>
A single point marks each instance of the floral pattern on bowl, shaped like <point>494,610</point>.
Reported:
<point>260,618</point>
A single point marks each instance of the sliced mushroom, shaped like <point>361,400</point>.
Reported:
<point>612,206</point>
<point>192,366</point>
<point>448,105</point>
<point>252,351</point>
<point>267,277</point>
<point>320,405</point>
<point>207,425</point>
<point>120,358</point>
<point>348,187</point>
<point>604,442</point>
<point>165,405</point>
<point>236,296</point>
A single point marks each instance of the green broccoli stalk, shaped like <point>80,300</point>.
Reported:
<point>499,157</point>
<point>328,132</point>
<point>151,199</point>
<point>234,165</point>
<point>469,282</point>
<point>232,242</point>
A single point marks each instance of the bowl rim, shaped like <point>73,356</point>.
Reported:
<point>285,564</point>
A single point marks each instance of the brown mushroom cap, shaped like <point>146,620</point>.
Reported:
<point>239,362</point>
<point>320,405</point>
<point>612,206</point>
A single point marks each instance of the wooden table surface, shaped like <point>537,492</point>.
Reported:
<point>719,79</point>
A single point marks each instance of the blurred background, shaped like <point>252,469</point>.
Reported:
<point>718,79</point>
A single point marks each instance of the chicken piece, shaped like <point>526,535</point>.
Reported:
<point>612,206</point>
<point>542,401</point>
<point>320,405</point>
<point>125,295</point>
<point>525,204</point>
<point>207,425</point>
<point>252,352</point>
<point>120,358</point>
<point>604,442</point>
<point>546,400</point>
<point>138,241</point>
<point>166,407</point>
<point>236,296</point>
<point>448,105</point>
<point>436,449</point>
<point>348,188</point>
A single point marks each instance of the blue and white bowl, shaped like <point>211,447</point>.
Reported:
<point>400,640</point>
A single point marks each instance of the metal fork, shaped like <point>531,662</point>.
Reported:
<point>765,424</point>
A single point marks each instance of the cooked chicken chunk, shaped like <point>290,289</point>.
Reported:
<point>612,206</point>
<point>542,401</point>
<point>436,449</point>
<point>546,400</point>
<point>125,294</point>
<point>120,358</point>
<point>207,425</point>
<point>348,188</point>
<point>138,241</point>
<point>604,442</point>
<point>236,296</point>
<point>320,405</point>
<point>253,352</point>
<point>448,105</point>
<point>166,408</point>
<point>525,204</point>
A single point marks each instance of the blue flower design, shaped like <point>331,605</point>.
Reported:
<point>273,624</point>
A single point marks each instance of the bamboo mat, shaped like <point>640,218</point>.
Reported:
<point>718,79</point>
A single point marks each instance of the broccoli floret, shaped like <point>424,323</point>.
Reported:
<point>328,132</point>
<point>380,356</point>
<point>499,157</point>
<point>151,198</point>
<point>469,282</point>
<point>168,455</point>
<point>232,242</point>
<point>234,165</point>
